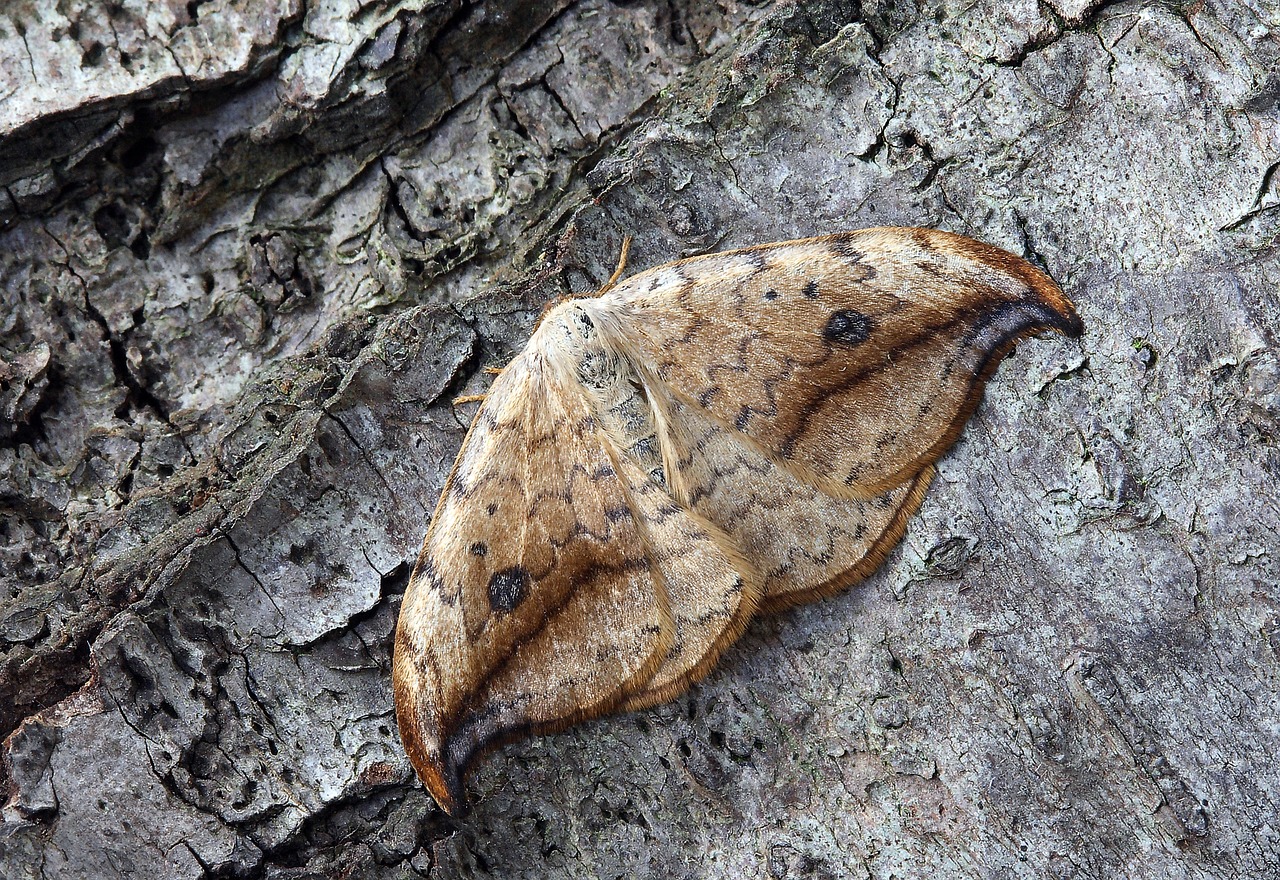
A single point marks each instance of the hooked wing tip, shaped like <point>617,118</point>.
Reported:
<point>441,775</point>
<point>1049,307</point>
<point>444,781</point>
<point>421,734</point>
<point>1057,312</point>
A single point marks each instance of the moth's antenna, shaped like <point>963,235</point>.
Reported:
<point>622,265</point>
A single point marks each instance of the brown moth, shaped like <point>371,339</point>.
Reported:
<point>716,437</point>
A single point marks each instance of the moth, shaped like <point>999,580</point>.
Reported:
<point>704,441</point>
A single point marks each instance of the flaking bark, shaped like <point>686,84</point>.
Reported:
<point>250,252</point>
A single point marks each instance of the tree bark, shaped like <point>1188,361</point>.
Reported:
<point>252,251</point>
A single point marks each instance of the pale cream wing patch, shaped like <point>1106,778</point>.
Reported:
<point>805,543</point>
<point>533,604</point>
<point>853,360</point>
<point>713,590</point>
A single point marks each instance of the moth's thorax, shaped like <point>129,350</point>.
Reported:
<point>574,323</point>
<point>575,337</point>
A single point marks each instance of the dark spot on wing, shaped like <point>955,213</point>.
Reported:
<point>643,449</point>
<point>854,473</point>
<point>771,294</point>
<point>844,246</point>
<point>934,268</point>
<point>507,588</point>
<point>923,239</point>
<point>428,573</point>
<point>665,511</point>
<point>887,439</point>
<point>846,250</point>
<point>479,548</point>
<point>492,509</point>
<point>810,290</point>
<point>848,327</point>
<point>744,416</point>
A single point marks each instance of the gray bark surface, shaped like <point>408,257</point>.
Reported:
<point>250,252</point>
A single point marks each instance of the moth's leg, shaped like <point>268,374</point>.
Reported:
<point>622,265</point>
<point>472,398</point>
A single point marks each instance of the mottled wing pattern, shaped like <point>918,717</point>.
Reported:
<point>712,588</point>
<point>853,360</point>
<point>722,435</point>
<point>805,543</point>
<point>533,604</point>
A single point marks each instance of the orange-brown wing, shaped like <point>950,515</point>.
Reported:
<point>805,544</point>
<point>712,589</point>
<point>532,605</point>
<point>853,360</point>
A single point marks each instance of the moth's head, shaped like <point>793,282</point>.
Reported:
<point>570,324</point>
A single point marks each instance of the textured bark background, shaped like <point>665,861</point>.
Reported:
<point>251,251</point>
